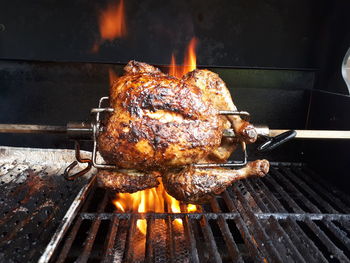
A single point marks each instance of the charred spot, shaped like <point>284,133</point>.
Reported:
<point>158,144</point>
<point>133,109</point>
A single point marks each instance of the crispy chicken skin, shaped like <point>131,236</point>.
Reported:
<point>217,94</point>
<point>158,121</point>
<point>127,181</point>
<point>199,185</point>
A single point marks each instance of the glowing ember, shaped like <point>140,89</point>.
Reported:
<point>111,24</point>
<point>190,62</point>
<point>150,200</point>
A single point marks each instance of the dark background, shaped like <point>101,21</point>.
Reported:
<point>243,33</point>
<point>280,59</point>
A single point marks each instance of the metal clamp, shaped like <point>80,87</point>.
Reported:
<point>96,128</point>
<point>243,114</point>
<point>273,142</point>
<point>73,164</point>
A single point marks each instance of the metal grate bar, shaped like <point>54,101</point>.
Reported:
<point>170,234</point>
<point>334,229</point>
<point>253,248</point>
<point>298,236</point>
<point>270,202</point>
<point>322,190</point>
<point>291,189</point>
<point>128,251</point>
<point>112,232</point>
<point>276,231</point>
<point>190,236</point>
<point>92,232</point>
<point>257,230</point>
<point>326,241</point>
<point>72,234</point>
<point>308,248</point>
<point>210,241</point>
<point>230,243</point>
<point>149,240</point>
<point>317,198</point>
<point>213,216</point>
<point>343,237</point>
<point>325,185</point>
<point>283,193</point>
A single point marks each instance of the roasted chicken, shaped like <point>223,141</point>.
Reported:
<point>162,125</point>
<point>159,121</point>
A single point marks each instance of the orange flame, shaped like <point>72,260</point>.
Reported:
<point>111,24</point>
<point>150,200</point>
<point>190,61</point>
<point>112,76</point>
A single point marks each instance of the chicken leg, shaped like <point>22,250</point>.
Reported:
<point>199,185</point>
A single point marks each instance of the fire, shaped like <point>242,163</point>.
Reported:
<point>112,76</point>
<point>150,200</point>
<point>190,61</point>
<point>111,24</point>
<point>112,21</point>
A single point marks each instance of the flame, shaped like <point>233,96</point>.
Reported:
<point>150,200</point>
<point>111,24</point>
<point>190,61</point>
<point>112,21</point>
<point>112,76</point>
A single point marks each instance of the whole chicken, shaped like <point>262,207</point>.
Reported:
<point>159,121</point>
<point>161,125</point>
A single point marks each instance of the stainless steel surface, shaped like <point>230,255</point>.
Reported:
<point>66,221</point>
<point>34,198</point>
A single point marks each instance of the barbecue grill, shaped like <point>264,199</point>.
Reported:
<point>282,63</point>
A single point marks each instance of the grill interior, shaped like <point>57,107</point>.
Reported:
<point>290,215</point>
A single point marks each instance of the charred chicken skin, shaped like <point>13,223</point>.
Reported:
<point>165,124</point>
<point>158,121</point>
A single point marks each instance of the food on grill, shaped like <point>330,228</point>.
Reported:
<point>158,121</point>
<point>198,185</point>
<point>165,124</point>
<point>216,93</point>
<point>127,181</point>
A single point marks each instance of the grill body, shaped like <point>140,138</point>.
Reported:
<point>281,62</point>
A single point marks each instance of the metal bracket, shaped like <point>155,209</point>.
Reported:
<point>73,164</point>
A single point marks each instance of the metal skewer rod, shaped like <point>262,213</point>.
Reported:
<point>315,134</point>
<point>84,131</point>
<point>31,128</point>
<point>301,134</point>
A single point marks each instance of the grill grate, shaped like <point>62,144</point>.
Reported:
<point>290,215</point>
<point>33,200</point>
